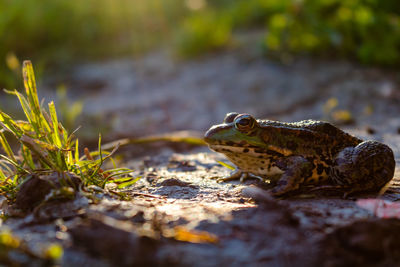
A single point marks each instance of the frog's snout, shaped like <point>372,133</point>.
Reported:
<point>215,134</point>
<point>208,136</point>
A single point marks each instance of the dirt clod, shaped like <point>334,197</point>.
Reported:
<point>113,244</point>
<point>373,242</point>
<point>35,189</point>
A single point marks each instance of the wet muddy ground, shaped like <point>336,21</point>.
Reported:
<point>177,213</point>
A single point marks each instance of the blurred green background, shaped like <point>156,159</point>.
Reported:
<point>58,33</point>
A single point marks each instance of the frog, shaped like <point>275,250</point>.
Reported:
<point>297,155</point>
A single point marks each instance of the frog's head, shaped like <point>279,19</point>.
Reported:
<point>237,130</point>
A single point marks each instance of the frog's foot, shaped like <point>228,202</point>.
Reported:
<point>296,169</point>
<point>239,175</point>
<point>367,167</point>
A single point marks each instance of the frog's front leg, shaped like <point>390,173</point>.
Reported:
<point>367,167</point>
<point>239,174</point>
<point>296,170</point>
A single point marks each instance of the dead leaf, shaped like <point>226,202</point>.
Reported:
<point>193,236</point>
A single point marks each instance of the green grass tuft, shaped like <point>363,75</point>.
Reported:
<point>46,145</point>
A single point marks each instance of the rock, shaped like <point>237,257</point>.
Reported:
<point>373,242</point>
<point>120,247</point>
<point>35,189</point>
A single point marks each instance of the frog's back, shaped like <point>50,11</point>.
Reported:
<point>323,128</point>
<point>307,136</point>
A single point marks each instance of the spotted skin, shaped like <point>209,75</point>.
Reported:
<point>294,155</point>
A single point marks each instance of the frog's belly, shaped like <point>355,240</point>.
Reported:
<point>260,164</point>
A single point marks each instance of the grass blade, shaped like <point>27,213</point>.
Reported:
<point>76,151</point>
<point>30,89</point>
<point>2,176</point>
<point>119,174</point>
<point>6,168</point>
<point>24,104</point>
<point>28,159</point>
<point>15,164</point>
<point>43,154</point>
<point>6,146</point>
<point>54,120</point>
<point>126,184</point>
<point>121,180</point>
<point>7,123</point>
<point>100,160</point>
<point>117,170</point>
<point>226,165</point>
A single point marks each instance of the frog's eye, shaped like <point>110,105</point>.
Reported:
<point>244,122</point>
<point>230,117</point>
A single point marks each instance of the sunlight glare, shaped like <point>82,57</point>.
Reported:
<point>195,4</point>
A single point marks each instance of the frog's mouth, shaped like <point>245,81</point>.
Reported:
<point>239,149</point>
<point>253,151</point>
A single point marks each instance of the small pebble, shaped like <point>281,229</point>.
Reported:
<point>370,130</point>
